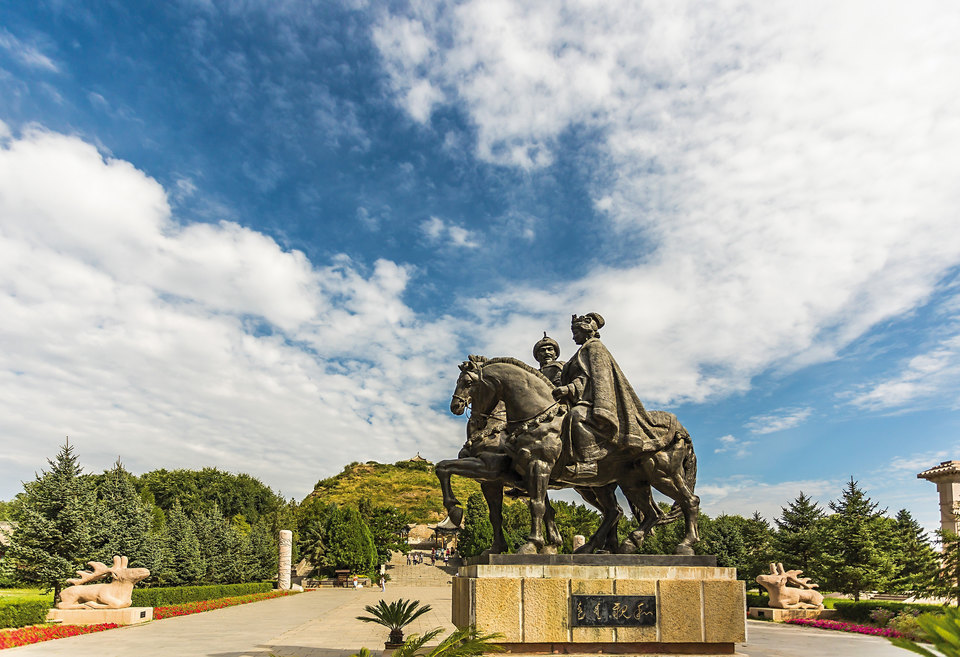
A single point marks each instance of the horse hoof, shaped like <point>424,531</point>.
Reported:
<point>684,549</point>
<point>628,547</point>
<point>549,549</point>
<point>527,548</point>
<point>456,515</point>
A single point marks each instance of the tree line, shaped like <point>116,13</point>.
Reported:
<point>850,547</point>
<point>187,527</point>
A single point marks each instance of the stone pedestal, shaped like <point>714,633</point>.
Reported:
<point>780,615</point>
<point>128,616</point>
<point>603,603</point>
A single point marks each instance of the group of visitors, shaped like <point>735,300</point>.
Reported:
<point>416,558</point>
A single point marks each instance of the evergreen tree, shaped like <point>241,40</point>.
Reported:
<point>385,523</point>
<point>186,564</point>
<point>477,532</point>
<point>220,545</point>
<point>263,553</point>
<point>947,582</point>
<point>758,542</point>
<point>54,515</point>
<point>916,562</point>
<point>516,524</point>
<point>724,538</point>
<point>573,519</point>
<point>853,560</point>
<point>349,542</point>
<point>797,541</point>
<point>123,526</point>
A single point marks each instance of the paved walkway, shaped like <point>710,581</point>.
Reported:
<point>323,624</point>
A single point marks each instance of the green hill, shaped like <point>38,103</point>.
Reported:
<point>410,486</point>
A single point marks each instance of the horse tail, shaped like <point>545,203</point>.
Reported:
<point>689,476</point>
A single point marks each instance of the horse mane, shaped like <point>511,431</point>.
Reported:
<point>518,363</point>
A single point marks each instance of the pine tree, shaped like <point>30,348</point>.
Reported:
<point>758,544</point>
<point>477,532</point>
<point>349,542</point>
<point>797,541</point>
<point>853,560</point>
<point>54,516</point>
<point>385,523</point>
<point>123,524</point>
<point>724,538</point>
<point>916,562</point>
<point>947,583</point>
<point>186,563</point>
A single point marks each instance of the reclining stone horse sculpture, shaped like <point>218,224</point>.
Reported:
<point>117,594</point>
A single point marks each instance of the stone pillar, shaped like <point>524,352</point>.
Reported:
<point>579,540</point>
<point>286,548</point>
<point>947,478</point>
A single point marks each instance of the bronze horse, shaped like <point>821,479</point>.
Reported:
<point>524,450</point>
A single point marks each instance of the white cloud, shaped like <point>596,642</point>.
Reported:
<point>744,495</point>
<point>778,420</point>
<point>175,345</point>
<point>731,444</point>
<point>439,231</point>
<point>921,378</point>
<point>28,55</point>
<point>792,167</point>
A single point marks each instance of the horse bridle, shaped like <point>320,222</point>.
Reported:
<point>499,415</point>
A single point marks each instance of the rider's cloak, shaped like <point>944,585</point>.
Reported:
<point>615,408</point>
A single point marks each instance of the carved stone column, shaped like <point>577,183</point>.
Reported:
<point>286,548</point>
<point>947,478</point>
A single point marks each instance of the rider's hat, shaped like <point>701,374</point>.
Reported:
<point>591,321</point>
<point>543,342</point>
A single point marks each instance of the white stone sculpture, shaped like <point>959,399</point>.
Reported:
<point>785,597</point>
<point>113,595</point>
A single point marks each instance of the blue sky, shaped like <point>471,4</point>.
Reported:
<point>261,235</point>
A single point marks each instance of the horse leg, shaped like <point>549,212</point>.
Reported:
<point>603,498</point>
<point>644,510</point>
<point>553,537</point>
<point>473,468</point>
<point>538,478</point>
<point>493,494</point>
<point>665,473</point>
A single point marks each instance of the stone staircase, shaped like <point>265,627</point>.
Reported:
<point>421,574</point>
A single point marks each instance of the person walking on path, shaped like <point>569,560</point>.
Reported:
<point>383,584</point>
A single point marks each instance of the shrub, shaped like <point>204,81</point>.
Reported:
<point>881,616</point>
<point>19,613</point>
<point>859,612</point>
<point>179,594</point>
<point>758,600</point>
<point>907,624</point>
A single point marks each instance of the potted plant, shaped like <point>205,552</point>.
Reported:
<point>394,616</point>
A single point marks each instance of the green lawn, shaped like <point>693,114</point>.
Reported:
<point>9,595</point>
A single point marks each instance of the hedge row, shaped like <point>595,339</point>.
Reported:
<point>20,613</point>
<point>758,600</point>
<point>859,612</point>
<point>173,595</point>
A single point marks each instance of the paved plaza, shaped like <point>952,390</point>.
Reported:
<point>323,624</point>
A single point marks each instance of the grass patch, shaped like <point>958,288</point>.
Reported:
<point>25,595</point>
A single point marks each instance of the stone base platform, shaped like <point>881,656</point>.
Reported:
<point>697,608</point>
<point>780,615</point>
<point>128,616</point>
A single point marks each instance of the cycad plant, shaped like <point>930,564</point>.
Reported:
<point>395,616</point>
<point>465,642</point>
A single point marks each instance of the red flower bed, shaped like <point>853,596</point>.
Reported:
<point>37,633</point>
<point>187,608</point>
<point>846,627</point>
